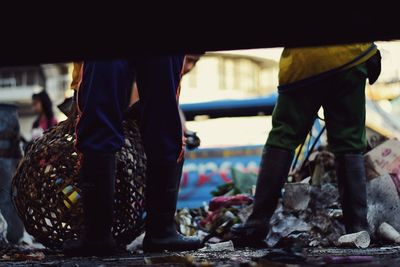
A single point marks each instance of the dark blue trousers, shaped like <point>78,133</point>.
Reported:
<point>104,95</point>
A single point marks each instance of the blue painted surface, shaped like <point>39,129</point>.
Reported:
<point>231,108</point>
<point>205,169</point>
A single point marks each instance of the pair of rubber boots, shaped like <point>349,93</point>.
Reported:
<point>98,185</point>
<point>274,169</point>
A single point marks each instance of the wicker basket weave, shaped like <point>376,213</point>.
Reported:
<point>46,192</point>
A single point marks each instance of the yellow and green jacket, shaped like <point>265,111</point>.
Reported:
<point>301,66</point>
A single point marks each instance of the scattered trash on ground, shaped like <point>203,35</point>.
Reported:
<point>22,252</point>
<point>34,256</point>
<point>309,213</point>
<point>308,216</point>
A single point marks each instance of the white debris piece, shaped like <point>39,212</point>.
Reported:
<point>136,244</point>
<point>3,228</point>
<point>358,240</point>
<point>223,246</point>
<point>387,232</point>
<point>30,242</point>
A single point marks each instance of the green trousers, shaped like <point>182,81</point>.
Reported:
<point>342,96</point>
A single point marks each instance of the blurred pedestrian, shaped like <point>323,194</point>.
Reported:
<point>43,108</point>
<point>332,77</point>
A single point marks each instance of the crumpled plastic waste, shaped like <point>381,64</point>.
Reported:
<point>231,204</point>
<point>314,223</point>
<point>283,225</point>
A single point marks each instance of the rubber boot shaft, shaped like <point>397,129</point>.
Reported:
<point>350,172</point>
<point>97,183</point>
<point>161,198</point>
<point>274,169</point>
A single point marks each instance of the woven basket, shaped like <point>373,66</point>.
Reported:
<point>47,196</point>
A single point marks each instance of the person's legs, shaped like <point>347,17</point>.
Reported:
<point>345,121</point>
<point>292,118</point>
<point>158,81</point>
<point>102,99</point>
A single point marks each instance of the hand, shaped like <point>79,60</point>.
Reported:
<point>192,140</point>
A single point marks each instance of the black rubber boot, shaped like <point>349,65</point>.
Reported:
<point>274,168</point>
<point>98,172</point>
<point>350,172</point>
<point>161,197</point>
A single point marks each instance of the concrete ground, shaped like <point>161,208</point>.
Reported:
<point>381,256</point>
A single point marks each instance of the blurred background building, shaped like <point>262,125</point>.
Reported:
<point>229,75</point>
<point>218,75</point>
<point>228,144</point>
<point>249,73</point>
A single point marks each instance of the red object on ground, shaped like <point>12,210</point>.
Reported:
<point>223,202</point>
<point>218,203</point>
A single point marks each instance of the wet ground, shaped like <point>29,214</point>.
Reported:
<point>380,256</point>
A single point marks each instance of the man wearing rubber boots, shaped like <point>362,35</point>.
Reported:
<point>103,97</point>
<point>333,77</point>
